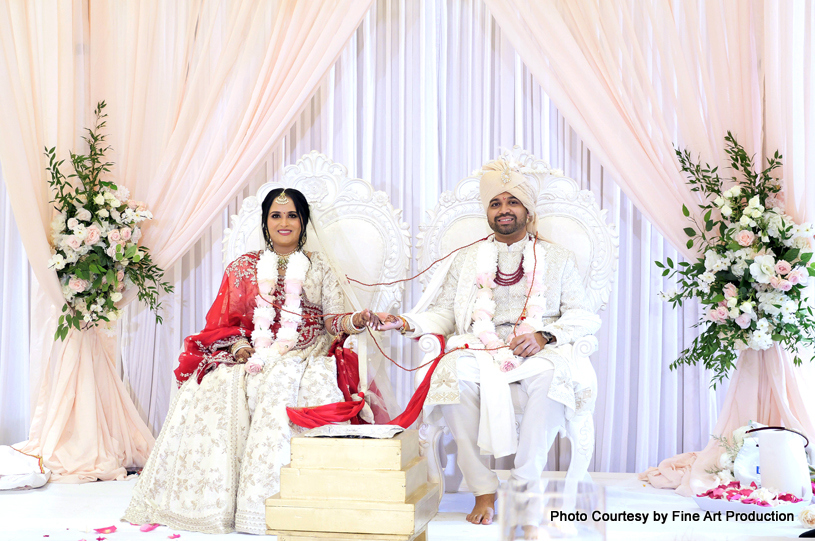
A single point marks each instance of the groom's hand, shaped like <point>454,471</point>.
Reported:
<point>388,322</point>
<point>528,344</point>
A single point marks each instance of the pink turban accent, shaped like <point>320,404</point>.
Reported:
<point>499,177</point>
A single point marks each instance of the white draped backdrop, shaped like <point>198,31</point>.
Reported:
<point>422,94</point>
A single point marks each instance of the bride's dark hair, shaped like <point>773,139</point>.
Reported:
<point>300,205</point>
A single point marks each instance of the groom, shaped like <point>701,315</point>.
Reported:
<point>514,304</point>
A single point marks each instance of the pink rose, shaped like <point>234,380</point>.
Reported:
<point>775,281</point>
<point>292,300</point>
<point>785,285</point>
<point>94,234</point>
<point>292,287</point>
<point>261,342</point>
<point>125,232</point>
<point>717,315</point>
<point>133,204</point>
<point>73,242</point>
<point>83,214</point>
<point>262,322</point>
<point>120,276</point>
<point>507,366</point>
<point>72,223</point>
<point>743,321</point>
<point>253,367</point>
<point>722,312</point>
<point>745,237</point>
<point>111,251</point>
<point>481,315</point>
<point>261,301</point>
<point>77,284</point>
<point>114,235</point>
<point>783,267</point>
<point>485,280</point>
<point>730,291</point>
<point>794,277</point>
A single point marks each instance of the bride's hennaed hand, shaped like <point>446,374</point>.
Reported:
<point>243,354</point>
<point>362,318</point>
<point>388,322</point>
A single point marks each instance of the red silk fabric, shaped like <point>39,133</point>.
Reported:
<point>348,381</point>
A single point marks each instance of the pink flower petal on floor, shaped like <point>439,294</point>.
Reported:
<point>174,536</point>
<point>101,538</point>
<point>148,527</point>
<point>109,529</point>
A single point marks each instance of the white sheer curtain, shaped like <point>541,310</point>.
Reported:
<point>422,95</point>
<point>15,310</point>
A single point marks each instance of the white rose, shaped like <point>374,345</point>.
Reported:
<point>103,213</point>
<point>57,262</point>
<point>807,516</point>
<point>763,268</point>
<point>83,214</point>
<point>745,221</point>
<point>734,313</point>
<point>725,477</point>
<point>116,297</point>
<point>738,434</point>
<point>718,201</point>
<point>113,315</point>
<point>726,211</point>
<point>754,202</point>
<point>99,199</point>
<point>736,191</point>
<point>746,307</point>
<point>115,203</point>
<point>757,212</point>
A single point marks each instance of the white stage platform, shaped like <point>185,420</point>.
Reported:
<point>59,512</point>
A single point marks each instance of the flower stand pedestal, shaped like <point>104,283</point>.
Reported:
<point>351,489</point>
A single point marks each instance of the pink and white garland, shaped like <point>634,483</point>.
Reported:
<point>269,348</point>
<point>484,309</point>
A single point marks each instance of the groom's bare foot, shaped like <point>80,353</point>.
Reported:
<point>484,509</point>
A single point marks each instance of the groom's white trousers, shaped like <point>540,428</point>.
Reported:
<point>542,419</point>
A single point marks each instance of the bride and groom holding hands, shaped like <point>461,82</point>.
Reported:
<point>510,306</point>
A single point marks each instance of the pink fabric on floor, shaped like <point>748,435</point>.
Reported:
<point>85,425</point>
<point>766,387</point>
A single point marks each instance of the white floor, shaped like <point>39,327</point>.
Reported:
<point>60,512</point>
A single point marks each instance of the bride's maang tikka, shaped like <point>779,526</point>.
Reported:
<point>281,199</point>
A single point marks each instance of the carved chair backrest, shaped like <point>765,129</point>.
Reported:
<point>568,216</point>
<point>366,234</point>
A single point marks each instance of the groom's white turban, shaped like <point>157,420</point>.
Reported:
<point>499,177</point>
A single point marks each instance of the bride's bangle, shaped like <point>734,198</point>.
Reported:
<point>349,327</point>
<point>239,345</point>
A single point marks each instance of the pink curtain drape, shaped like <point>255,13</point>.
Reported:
<point>197,93</point>
<point>635,78</point>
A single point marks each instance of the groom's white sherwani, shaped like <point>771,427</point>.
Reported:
<point>468,383</point>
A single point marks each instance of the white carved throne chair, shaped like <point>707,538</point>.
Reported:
<point>568,216</point>
<point>365,234</point>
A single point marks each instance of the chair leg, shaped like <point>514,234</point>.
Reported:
<point>581,435</point>
<point>430,448</point>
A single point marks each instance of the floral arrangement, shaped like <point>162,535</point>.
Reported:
<point>751,494</point>
<point>269,347</point>
<point>755,263</point>
<point>95,236</point>
<point>484,309</point>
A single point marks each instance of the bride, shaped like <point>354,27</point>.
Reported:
<point>264,347</point>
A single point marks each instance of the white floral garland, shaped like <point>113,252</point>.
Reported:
<point>484,309</point>
<point>268,347</point>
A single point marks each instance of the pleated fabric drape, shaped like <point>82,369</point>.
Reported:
<point>197,92</point>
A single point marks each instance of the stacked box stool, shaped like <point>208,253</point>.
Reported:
<point>339,489</point>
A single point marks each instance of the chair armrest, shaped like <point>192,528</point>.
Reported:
<point>430,344</point>
<point>585,345</point>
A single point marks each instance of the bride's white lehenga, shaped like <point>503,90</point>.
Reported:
<point>219,454</point>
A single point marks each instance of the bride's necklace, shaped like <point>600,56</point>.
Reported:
<point>488,277</point>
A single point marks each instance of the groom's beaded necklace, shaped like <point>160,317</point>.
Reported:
<point>506,279</point>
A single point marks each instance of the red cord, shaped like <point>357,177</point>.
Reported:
<point>416,276</point>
